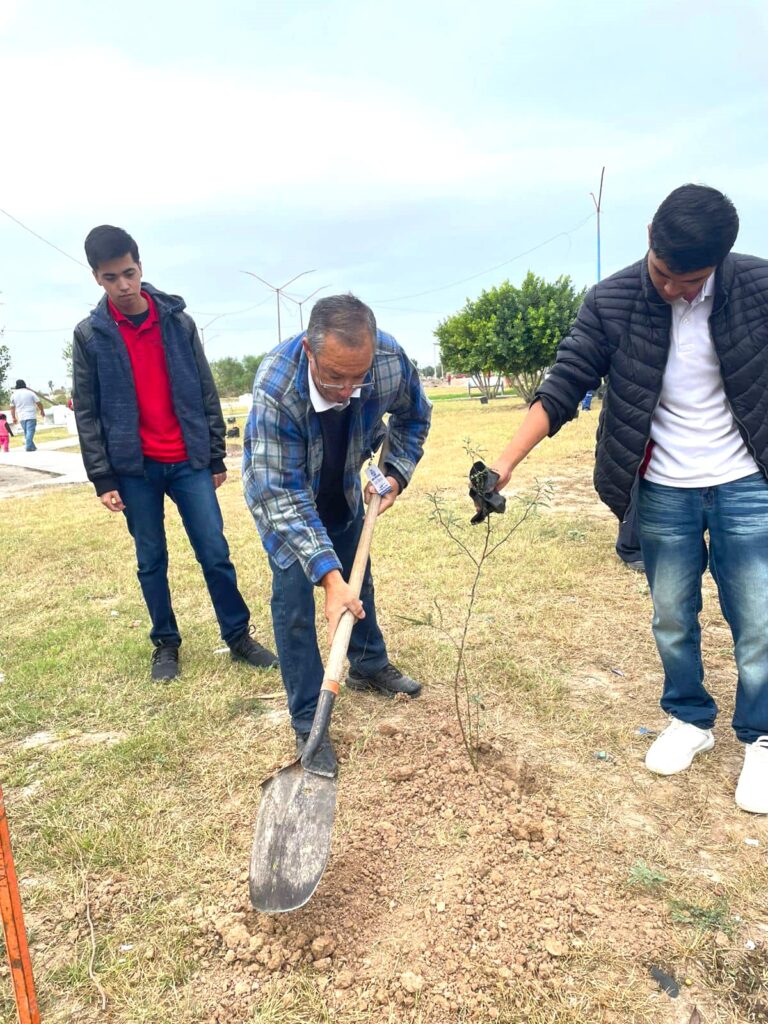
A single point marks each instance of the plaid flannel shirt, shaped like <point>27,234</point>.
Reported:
<point>283,447</point>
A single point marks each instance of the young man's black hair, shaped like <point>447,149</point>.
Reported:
<point>106,243</point>
<point>695,227</point>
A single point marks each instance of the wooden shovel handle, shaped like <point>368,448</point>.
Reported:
<point>338,652</point>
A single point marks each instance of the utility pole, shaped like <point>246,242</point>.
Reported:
<point>300,302</point>
<point>598,203</point>
<point>205,328</point>
<point>278,292</point>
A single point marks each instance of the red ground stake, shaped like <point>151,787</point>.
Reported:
<point>13,927</point>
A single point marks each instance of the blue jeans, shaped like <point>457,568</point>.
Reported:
<point>672,522</point>
<point>194,494</point>
<point>293,620</point>
<point>29,427</point>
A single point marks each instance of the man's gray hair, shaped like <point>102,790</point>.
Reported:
<point>343,316</point>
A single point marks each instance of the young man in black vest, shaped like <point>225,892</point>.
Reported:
<point>683,336</point>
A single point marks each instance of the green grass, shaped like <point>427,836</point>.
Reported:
<point>716,917</point>
<point>41,435</point>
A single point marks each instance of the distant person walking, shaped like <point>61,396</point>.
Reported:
<point>5,432</point>
<point>24,408</point>
<point>150,425</point>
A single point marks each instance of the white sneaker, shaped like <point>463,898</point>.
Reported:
<point>752,790</point>
<point>674,749</point>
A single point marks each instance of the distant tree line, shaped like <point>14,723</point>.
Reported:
<point>235,376</point>
<point>232,376</point>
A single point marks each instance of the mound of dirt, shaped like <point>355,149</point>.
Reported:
<point>446,889</point>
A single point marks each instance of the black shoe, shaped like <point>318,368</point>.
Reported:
<point>637,566</point>
<point>388,680</point>
<point>165,663</point>
<point>324,762</point>
<point>246,649</point>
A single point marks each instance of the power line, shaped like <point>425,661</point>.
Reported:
<point>280,293</point>
<point>235,312</point>
<point>45,240</point>
<point>490,270</point>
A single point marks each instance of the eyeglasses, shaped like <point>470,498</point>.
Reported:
<point>366,384</point>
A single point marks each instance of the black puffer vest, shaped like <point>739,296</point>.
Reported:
<point>622,332</point>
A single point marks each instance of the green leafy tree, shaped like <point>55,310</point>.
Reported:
<point>250,366</point>
<point>510,331</point>
<point>5,362</point>
<point>468,344</point>
<point>227,373</point>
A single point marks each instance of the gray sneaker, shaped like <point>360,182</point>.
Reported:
<point>246,649</point>
<point>388,680</point>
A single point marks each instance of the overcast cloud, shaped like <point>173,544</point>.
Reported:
<point>393,149</point>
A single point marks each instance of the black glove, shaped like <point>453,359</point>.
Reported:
<point>482,482</point>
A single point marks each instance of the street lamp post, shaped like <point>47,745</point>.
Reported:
<point>278,292</point>
<point>205,328</point>
<point>300,303</point>
<point>597,203</point>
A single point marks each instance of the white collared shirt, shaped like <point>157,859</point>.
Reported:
<point>695,437</point>
<point>320,404</point>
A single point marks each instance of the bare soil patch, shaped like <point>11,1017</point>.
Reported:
<point>451,896</point>
<point>15,479</point>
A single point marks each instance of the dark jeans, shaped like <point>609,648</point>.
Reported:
<point>293,619</point>
<point>193,492</point>
<point>29,427</point>
<point>673,521</point>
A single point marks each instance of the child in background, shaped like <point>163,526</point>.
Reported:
<point>5,432</point>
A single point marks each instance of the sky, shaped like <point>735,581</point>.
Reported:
<point>413,153</point>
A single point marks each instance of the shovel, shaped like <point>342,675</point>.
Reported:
<point>292,840</point>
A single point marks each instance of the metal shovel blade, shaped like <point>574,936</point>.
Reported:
<point>292,839</point>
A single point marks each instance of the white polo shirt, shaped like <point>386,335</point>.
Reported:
<point>696,442</point>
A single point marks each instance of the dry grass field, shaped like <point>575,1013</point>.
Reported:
<point>553,885</point>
